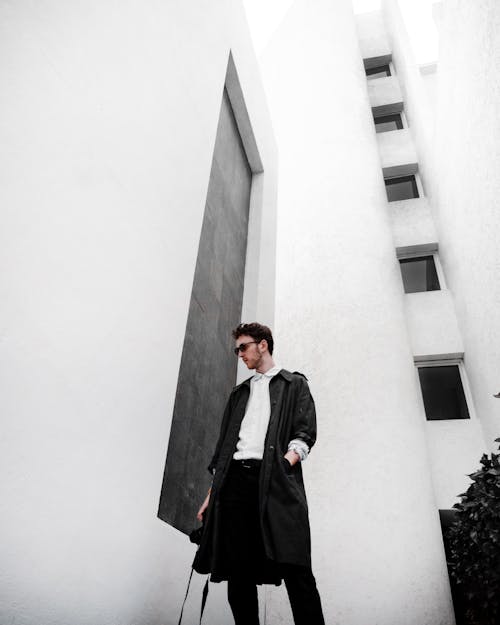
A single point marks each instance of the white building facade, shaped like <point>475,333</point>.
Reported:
<point>109,123</point>
<point>371,249</point>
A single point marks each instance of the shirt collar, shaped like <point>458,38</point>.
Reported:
<point>268,374</point>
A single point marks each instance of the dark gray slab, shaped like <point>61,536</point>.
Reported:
<point>208,366</point>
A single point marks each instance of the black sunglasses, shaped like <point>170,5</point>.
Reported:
<point>242,347</point>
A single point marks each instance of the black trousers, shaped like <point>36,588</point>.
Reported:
<point>245,557</point>
<point>302,592</point>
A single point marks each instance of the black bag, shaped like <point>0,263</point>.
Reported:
<point>195,537</point>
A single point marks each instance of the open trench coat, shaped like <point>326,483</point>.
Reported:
<point>282,500</point>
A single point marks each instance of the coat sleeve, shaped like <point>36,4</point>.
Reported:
<point>304,417</point>
<point>222,434</point>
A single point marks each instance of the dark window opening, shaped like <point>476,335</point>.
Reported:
<point>403,188</point>
<point>419,274</point>
<point>443,393</point>
<point>386,123</point>
<point>378,72</point>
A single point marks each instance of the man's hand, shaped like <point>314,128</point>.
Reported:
<point>292,457</point>
<point>204,506</point>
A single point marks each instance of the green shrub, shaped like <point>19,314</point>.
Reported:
<point>475,544</point>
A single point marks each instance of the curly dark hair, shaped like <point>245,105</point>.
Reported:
<point>257,331</point>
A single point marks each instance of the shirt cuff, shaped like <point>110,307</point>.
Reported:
<point>299,447</point>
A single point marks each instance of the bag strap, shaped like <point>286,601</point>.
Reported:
<point>203,597</point>
<point>185,597</point>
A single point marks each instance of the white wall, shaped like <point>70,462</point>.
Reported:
<point>428,73</point>
<point>434,319</point>
<point>467,190</point>
<point>108,122</point>
<point>377,548</point>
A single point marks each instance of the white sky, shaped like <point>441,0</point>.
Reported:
<point>264,17</point>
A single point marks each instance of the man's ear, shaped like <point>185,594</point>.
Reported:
<point>263,342</point>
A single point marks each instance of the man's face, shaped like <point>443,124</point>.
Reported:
<point>252,351</point>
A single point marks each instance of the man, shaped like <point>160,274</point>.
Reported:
<point>256,526</point>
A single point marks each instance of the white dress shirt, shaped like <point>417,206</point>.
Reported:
<point>254,426</point>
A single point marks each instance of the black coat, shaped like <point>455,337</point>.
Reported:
<point>282,499</point>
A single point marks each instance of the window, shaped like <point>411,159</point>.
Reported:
<point>378,72</point>
<point>442,392</point>
<point>388,122</point>
<point>403,188</point>
<point>419,274</point>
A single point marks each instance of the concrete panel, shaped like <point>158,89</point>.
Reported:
<point>412,226</point>
<point>375,49</point>
<point>215,309</point>
<point>385,95</point>
<point>239,107</point>
<point>397,153</point>
<point>432,325</point>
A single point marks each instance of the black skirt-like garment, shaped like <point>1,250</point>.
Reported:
<point>242,552</point>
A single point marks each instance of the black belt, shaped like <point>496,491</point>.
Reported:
<point>249,463</point>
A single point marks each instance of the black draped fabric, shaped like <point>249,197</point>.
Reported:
<point>282,504</point>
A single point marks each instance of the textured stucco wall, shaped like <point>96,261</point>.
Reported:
<point>108,123</point>
<point>377,549</point>
<point>467,153</point>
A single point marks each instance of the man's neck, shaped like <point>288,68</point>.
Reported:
<point>268,363</point>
